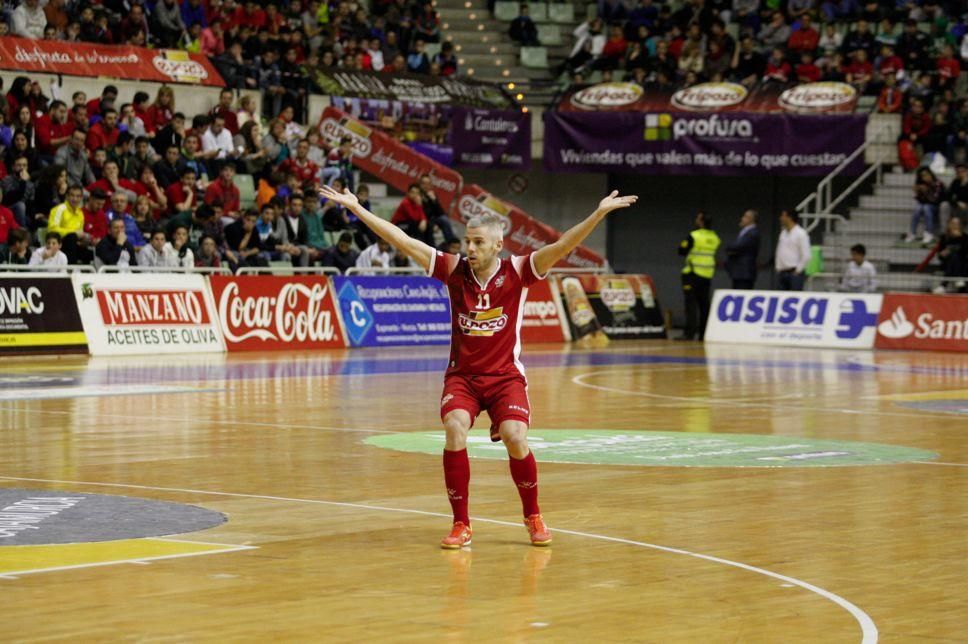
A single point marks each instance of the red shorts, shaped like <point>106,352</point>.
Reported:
<point>503,397</point>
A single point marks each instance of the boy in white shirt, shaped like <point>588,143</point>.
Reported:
<point>50,254</point>
<point>860,276</point>
<point>378,255</point>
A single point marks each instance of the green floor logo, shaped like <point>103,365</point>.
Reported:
<point>604,447</point>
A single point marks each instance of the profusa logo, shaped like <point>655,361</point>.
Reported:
<point>295,314</point>
<point>607,96</point>
<point>709,96</point>
<point>817,97</point>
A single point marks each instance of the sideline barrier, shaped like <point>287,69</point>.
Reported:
<point>393,270</point>
<point>834,320</point>
<point>622,307</point>
<point>72,268</point>
<point>923,322</point>
<point>393,310</point>
<point>37,315</point>
<point>130,314</point>
<point>287,270</point>
<point>181,270</point>
<point>277,312</point>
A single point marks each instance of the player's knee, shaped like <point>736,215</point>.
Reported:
<point>456,426</point>
<point>515,436</point>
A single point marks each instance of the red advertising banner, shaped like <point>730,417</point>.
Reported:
<point>115,61</point>
<point>275,312</point>
<point>543,316</point>
<point>523,234</point>
<point>924,322</point>
<point>771,96</point>
<point>624,307</point>
<point>387,158</point>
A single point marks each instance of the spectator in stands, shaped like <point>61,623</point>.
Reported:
<point>292,234</point>
<point>958,191</point>
<point>16,187</point>
<point>95,225</point>
<point>305,170</point>
<point>859,39</point>
<point>207,255</point>
<point>130,122</point>
<point>953,254</point>
<point>860,276</point>
<point>748,64</point>
<point>20,147</point>
<point>50,254</point>
<point>119,210</point>
<point>342,255</point>
<point>224,109</point>
<point>340,158</point>
<point>436,216</point>
<point>8,223</point>
<point>805,39</point>
<point>168,169</point>
<point>860,72</point>
<point>178,253</point>
<point>777,68</point>
<point>417,61</point>
<point>181,196</point>
<point>18,249</point>
<point>104,133</point>
<point>72,155</point>
<point>226,192</point>
<point>807,71</point>
<point>168,26</point>
<point>172,134</point>
<point>523,30</point>
<point>742,253</point>
<point>217,145</point>
<point>927,193</point>
<point>67,220</point>
<point>143,157</point>
<point>243,241</point>
<point>52,130</point>
<point>116,249</point>
<point>410,216</point>
<point>252,155</point>
<point>377,255</point>
<point>446,58</point>
<point>50,191</point>
<point>792,253</point>
<point>831,39</point>
<point>162,111</point>
<point>890,98</point>
<point>112,182</point>
<point>912,47</point>
<point>28,20</point>
<point>776,33</point>
<point>191,158</point>
<point>152,254</point>
<point>275,144</point>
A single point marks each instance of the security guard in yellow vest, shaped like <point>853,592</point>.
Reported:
<point>699,249</point>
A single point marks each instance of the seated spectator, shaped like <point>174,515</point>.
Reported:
<point>50,254</point>
<point>890,98</point>
<point>417,61</point>
<point>409,215</point>
<point>446,58</point>
<point>130,122</point>
<point>119,210</point>
<point>207,255</point>
<point>191,157</point>
<point>889,64</point>
<point>776,33</point>
<point>913,46</point>
<point>958,191</point>
<point>28,20</point>
<point>16,187</point>
<point>748,64</point>
<point>860,276</point>
<point>112,182</point>
<point>436,216</point>
<point>927,193</point>
<point>217,144</point>
<point>143,157</point>
<point>152,254</point>
<point>949,68</point>
<point>225,191</point>
<point>8,224</point>
<point>162,111</point>
<point>831,39</point>
<point>427,26</point>
<point>342,255</point>
<point>104,133</point>
<point>252,155</point>
<point>860,72</point>
<point>377,255</point>
<point>172,134</point>
<point>116,249</point>
<point>523,30</point>
<point>362,234</point>
<point>168,169</point>
<point>806,71</point>
<point>305,170</point>
<point>182,196</point>
<point>777,68</point>
<point>243,241</point>
<point>95,225</point>
<point>614,50</point>
<point>805,39</point>
<point>339,164</point>
<point>291,232</point>
<point>67,220</point>
<point>275,143</point>
<point>17,250</point>
<point>178,252</point>
<point>860,39</point>
<point>53,129</point>
<point>953,254</point>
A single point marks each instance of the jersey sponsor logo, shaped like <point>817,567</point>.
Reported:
<point>499,282</point>
<point>483,323</point>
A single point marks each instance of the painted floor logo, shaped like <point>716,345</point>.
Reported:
<point>670,449</point>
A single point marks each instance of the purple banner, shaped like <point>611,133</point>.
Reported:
<point>724,144</point>
<point>491,138</point>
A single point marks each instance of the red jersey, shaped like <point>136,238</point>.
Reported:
<point>485,318</point>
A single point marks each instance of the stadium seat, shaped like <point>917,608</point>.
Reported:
<point>246,186</point>
<point>549,34</point>
<point>538,11</point>
<point>534,57</point>
<point>506,11</point>
<point>432,49</point>
<point>561,12</point>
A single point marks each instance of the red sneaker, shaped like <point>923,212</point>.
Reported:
<point>537,530</point>
<point>460,536</point>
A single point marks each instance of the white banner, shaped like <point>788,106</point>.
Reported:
<point>140,313</point>
<point>836,320</point>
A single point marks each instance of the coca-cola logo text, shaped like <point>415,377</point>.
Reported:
<point>297,314</point>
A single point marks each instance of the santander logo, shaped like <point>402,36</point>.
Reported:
<point>897,326</point>
<point>295,314</point>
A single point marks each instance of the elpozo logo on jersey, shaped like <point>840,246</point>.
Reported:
<point>838,320</point>
<point>483,323</point>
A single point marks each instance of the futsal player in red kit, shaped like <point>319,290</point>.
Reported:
<point>487,296</point>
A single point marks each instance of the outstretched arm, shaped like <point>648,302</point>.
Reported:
<point>545,258</point>
<point>412,248</point>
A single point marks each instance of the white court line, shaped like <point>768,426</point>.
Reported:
<point>14,574</point>
<point>579,380</point>
<point>940,463</point>
<point>868,629</point>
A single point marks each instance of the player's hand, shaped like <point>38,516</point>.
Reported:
<point>346,198</point>
<point>614,202</point>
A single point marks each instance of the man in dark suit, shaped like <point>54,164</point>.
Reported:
<point>742,252</point>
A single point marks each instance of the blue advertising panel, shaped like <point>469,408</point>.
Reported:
<point>393,310</point>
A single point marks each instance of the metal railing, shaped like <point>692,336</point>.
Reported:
<point>40,268</point>
<point>393,270</point>
<point>203,270</point>
<point>913,282</point>
<point>288,270</point>
<point>810,220</point>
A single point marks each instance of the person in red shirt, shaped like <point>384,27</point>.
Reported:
<point>108,95</point>
<point>251,15</point>
<point>804,39</point>
<point>225,191</point>
<point>111,182</point>
<point>807,71</point>
<point>948,68</point>
<point>916,123</point>
<point>487,296</point>
<point>889,100</point>
<point>224,109</point>
<point>305,170</point>
<point>613,53</point>
<point>95,219</point>
<point>104,133</point>
<point>160,113</point>
<point>860,71</point>
<point>53,129</point>
<point>410,216</point>
<point>8,222</point>
<point>181,194</point>
<point>777,68</point>
<point>889,64</point>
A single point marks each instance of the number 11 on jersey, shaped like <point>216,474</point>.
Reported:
<point>483,300</point>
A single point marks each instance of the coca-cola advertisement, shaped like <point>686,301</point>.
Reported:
<point>146,313</point>
<point>276,312</point>
<point>923,322</point>
<point>523,234</point>
<point>544,319</point>
<point>491,138</point>
<point>387,158</point>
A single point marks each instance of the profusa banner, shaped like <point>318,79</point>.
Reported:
<point>38,313</point>
<point>140,313</point>
<point>113,61</point>
<point>925,322</point>
<point>623,307</point>
<point>273,312</point>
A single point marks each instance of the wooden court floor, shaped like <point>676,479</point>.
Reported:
<point>342,534</point>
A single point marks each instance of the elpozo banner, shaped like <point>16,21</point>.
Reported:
<point>276,312</point>
<point>923,322</point>
<point>803,319</point>
<point>622,307</point>
<point>141,313</point>
<point>114,61</point>
<point>38,314</point>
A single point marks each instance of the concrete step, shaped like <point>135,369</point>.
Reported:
<point>894,256</point>
<point>888,203</point>
<point>908,178</point>
<point>486,49</point>
<point>894,191</point>
<point>875,214</point>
